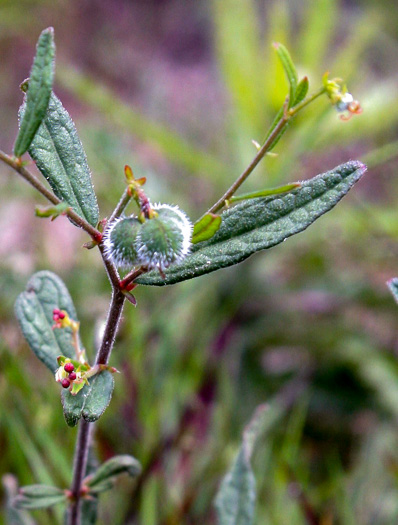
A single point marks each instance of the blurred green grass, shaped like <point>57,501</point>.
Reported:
<point>308,327</point>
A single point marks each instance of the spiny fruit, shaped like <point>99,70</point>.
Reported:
<point>157,242</point>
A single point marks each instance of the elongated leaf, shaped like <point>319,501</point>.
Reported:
<point>38,96</point>
<point>266,193</point>
<point>236,498</point>
<point>45,291</point>
<point>39,496</point>
<point>91,402</point>
<point>104,476</point>
<point>289,68</point>
<point>258,224</point>
<point>301,91</point>
<point>59,155</point>
<point>206,227</point>
<point>40,491</point>
<point>393,286</point>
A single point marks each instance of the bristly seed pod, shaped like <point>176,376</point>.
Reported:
<point>155,243</point>
<point>120,242</point>
<point>164,239</point>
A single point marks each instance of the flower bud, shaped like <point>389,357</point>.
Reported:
<point>65,383</point>
<point>69,367</point>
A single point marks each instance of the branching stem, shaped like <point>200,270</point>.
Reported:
<point>265,148</point>
<point>49,195</point>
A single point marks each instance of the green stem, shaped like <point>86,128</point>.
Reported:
<point>260,155</point>
<point>33,181</point>
<point>293,111</point>
<point>266,147</point>
<point>124,200</point>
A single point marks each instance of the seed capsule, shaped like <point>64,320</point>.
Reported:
<point>72,376</point>
<point>157,242</point>
<point>65,383</point>
<point>164,239</point>
<point>120,242</point>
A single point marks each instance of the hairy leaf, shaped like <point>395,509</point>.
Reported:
<point>39,496</point>
<point>91,402</point>
<point>103,478</point>
<point>59,155</point>
<point>235,500</point>
<point>39,92</point>
<point>73,405</point>
<point>261,223</point>
<point>45,291</point>
<point>99,396</point>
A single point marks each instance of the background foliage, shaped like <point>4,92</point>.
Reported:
<point>178,90</point>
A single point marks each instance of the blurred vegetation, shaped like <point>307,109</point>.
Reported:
<point>178,90</point>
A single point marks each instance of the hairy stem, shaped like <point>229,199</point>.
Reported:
<point>110,268</point>
<point>112,323</point>
<point>49,195</point>
<point>83,442</point>
<point>84,437</point>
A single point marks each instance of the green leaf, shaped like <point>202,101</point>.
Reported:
<point>103,478</point>
<point>289,69</point>
<point>266,193</point>
<point>99,396</point>
<point>258,224</point>
<point>91,402</point>
<point>301,91</point>
<point>393,286</point>
<point>235,501</point>
<point>73,405</point>
<point>39,496</point>
<point>52,211</point>
<point>38,96</point>
<point>206,227</point>
<point>59,155</point>
<point>45,291</point>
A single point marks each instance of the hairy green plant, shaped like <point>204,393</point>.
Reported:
<point>156,245</point>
